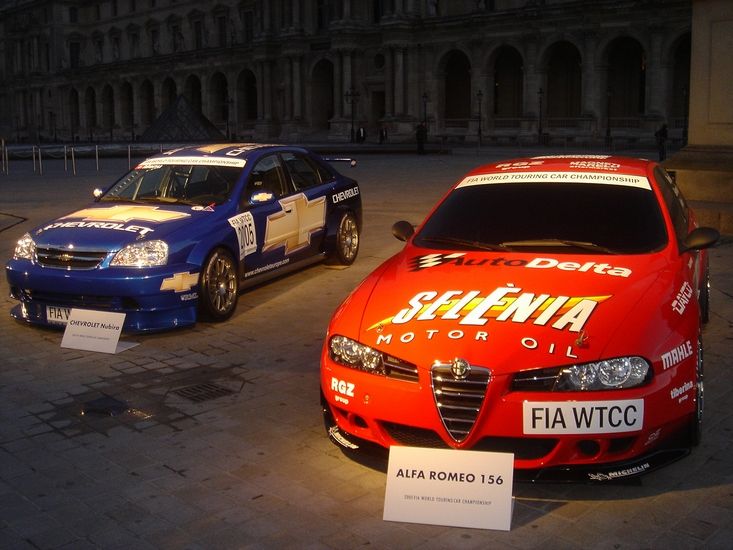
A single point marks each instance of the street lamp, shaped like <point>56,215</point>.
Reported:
<point>479,96</point>
<point>540,93</point>
<point>352,98</point>
<point>425,109</point>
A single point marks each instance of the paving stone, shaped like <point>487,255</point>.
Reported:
<point>254,469</point>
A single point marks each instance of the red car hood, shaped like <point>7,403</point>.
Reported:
<point>505,311</point>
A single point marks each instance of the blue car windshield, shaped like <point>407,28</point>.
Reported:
<point>577,218</point>
<point>176,183</point>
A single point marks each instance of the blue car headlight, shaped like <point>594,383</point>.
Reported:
<point>142,254</point>
<point>25,248</point>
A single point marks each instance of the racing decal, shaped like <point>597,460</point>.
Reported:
<point>679,304</point>
<point>600,157</point>
<point>342,389</point>
<point>244,227</point>
<point>180,282</point>
<point>293,226</point>
<point>191,161</point>
<point>603,178</point>
<point>519,164</point>
<point>433,260</point>
<point>132,228</point>
<point>635,470</point>
<point>267,267</point>
<point>595,165</point>
<point>126,213</point>
<point>582,417</point>
<point>116,218</point>
<point>676,355</point>
<point>601,269</point>
<point>507,303</point>
<point>654,436</point>
<point>189,296</point>
<point>680,393</point>
<point>216,147</point>
<point>462,259</point>
<point>345,195</point>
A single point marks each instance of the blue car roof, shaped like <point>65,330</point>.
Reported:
<point>227,150</point>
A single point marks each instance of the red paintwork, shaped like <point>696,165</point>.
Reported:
<point>633,316</point>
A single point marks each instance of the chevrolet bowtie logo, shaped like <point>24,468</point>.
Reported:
<point>295,223</point>
<point>180,282</point>
<point>122,213</point>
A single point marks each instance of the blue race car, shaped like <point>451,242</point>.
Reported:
<point>183,233</point>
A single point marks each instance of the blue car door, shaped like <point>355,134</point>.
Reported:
<point>277,225</point>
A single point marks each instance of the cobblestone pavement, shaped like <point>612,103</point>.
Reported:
<point>249,465</point>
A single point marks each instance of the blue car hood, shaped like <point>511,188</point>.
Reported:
<point>112,226</point>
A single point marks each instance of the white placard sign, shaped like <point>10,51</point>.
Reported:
<point>95,331</point>
<point>450,487</point>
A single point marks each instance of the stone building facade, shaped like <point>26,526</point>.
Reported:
<point>314,70</point>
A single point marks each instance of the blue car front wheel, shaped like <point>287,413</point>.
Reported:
<point>219,286</point>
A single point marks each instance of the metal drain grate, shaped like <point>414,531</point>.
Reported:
<point>202,392</point>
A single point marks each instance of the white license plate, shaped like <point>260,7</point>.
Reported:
<point>57,315</point>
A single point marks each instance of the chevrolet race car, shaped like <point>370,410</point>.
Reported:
<point>183,232</point>
<point>549,307</point>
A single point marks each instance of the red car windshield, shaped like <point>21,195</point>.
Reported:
<point>592,218</point>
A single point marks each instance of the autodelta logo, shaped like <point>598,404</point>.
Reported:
<point>461,259</point>
<point>504,304</point>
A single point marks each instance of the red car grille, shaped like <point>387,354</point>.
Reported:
<point>523,448</point>
<point>459,400</point>
<point>69,259</point>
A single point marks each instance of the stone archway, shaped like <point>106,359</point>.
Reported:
<point>192,93</point>
<point>219,99</point>
<point>322,97</point>
<point>147,104</point>
<point>456,89</point>
<point>626,81</point>
<point>169,93</point>
<point>247,98</point>
<point>564,81</point>
<point>508,83</point>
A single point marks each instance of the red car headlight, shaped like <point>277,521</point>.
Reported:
<point>608,374</point>
<point>351,353</point>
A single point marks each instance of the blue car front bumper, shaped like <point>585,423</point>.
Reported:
<point>137,293</point>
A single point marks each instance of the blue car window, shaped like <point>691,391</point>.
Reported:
<point>302,173</point>
<point>266,177</point>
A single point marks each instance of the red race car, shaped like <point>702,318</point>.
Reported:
<point>549,307</point>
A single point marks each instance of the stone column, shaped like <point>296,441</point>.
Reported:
<point>338,90</point>
<point>267,90</point>
<point>399,81</point>
<point>389,84</point>
<point>298,92</point>
<point>704,169</point>
<point>259,68</point>
<point>656,77</point>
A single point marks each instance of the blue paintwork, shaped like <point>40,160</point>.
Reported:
<point>201,229</point>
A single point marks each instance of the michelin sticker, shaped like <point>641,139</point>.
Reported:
<point>244,225</point>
